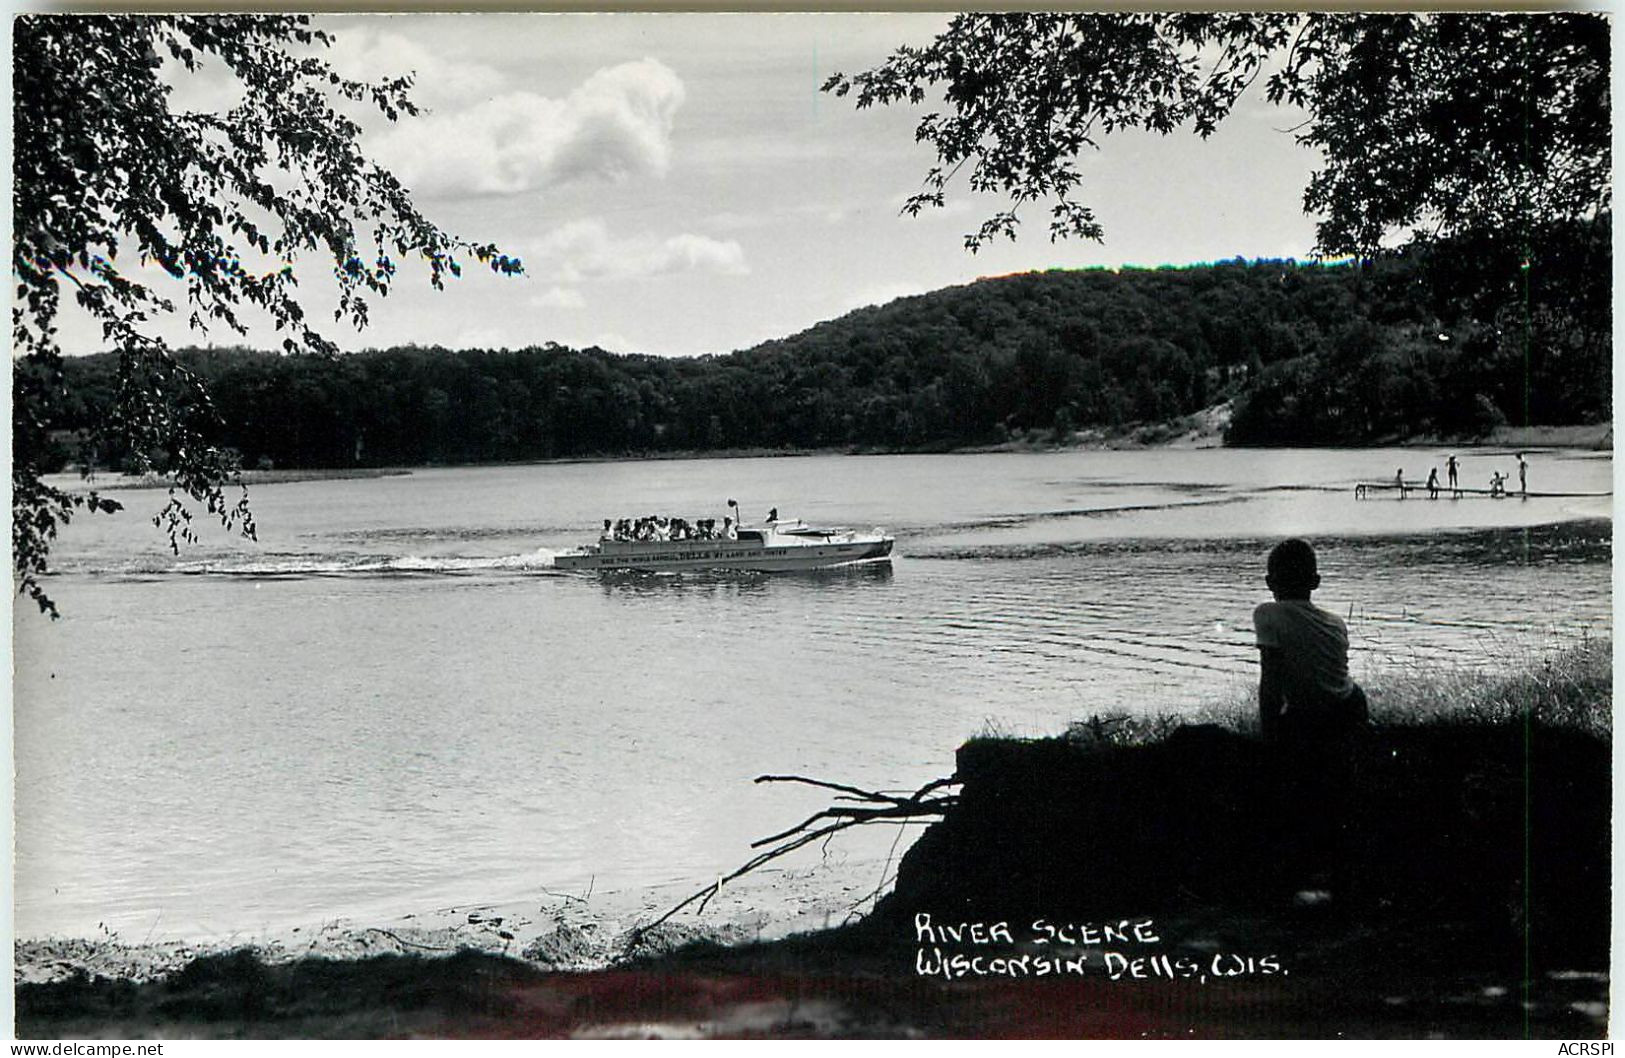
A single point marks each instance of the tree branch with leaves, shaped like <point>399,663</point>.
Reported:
<point>1442,124</point>
<point>114,186</point>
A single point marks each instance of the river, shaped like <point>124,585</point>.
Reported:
<point>391,701</point>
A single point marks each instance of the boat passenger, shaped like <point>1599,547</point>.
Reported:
<point>728,530</point>
<point>772,515</point>
<point>609,531</point>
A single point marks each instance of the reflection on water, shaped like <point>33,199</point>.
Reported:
<point>712,583</point>
<point>394,702</point>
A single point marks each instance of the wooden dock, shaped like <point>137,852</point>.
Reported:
<point>1365,489</point>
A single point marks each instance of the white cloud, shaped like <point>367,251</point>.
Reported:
<point>826,214</point>
<point>368,54</point>
<point>585,250</point>
<point>559,298</point>
<point>615,125</point>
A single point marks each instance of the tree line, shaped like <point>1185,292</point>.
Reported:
<point>1478,139</point>
<point>1447,340</point>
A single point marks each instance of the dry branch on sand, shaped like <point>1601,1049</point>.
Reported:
<point>868,806</point>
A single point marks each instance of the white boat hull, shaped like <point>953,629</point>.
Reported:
<point>777,552</point>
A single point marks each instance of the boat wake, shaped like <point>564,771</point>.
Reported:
<point>305,566</point>
<point>1014,521</point>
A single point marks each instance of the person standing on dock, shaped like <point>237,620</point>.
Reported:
<point>1450,472</point>
<point>1523,477</point>
<point>1399,481</point>
<point>1433,483</point>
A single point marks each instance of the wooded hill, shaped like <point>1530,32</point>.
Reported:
<point>1448,340</point>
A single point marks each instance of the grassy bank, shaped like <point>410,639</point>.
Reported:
<point>1569,688</point>
<point>1461,849</point>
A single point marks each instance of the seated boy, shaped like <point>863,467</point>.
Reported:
<point>1304,690</point>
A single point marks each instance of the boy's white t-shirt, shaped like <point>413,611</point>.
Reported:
<point>1314,644</point>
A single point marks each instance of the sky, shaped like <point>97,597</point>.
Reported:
<point>677,185</point>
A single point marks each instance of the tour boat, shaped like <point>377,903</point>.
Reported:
<point>773,546</point>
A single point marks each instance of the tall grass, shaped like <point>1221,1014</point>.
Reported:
<point>1570,688</point>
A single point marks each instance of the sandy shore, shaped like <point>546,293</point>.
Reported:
<point>570,970</point>
<point>553,931</point>
<point>1202,429</point>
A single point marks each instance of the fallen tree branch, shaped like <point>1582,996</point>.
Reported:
<point>861,795</point>
<point>889,808</point>
<point>857,815</point>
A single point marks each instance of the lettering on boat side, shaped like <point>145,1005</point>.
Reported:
<point>1120,950</point>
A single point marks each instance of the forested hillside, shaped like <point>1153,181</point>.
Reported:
<point>1452,340</point>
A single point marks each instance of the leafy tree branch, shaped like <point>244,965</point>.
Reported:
<point>115,185</point>
<point>1439,124</point>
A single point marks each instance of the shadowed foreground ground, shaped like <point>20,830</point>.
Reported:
<point>1446,876</point>
<point>1474,904</point>
<point>1368,980</point>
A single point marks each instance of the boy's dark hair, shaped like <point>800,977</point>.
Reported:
<point>1291,567</point>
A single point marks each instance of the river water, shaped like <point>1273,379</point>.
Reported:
<point>392,702</point>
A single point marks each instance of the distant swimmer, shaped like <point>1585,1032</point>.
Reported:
<point>1433,483</point>
<point>1450,472</point>
<point>1523,477</point>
